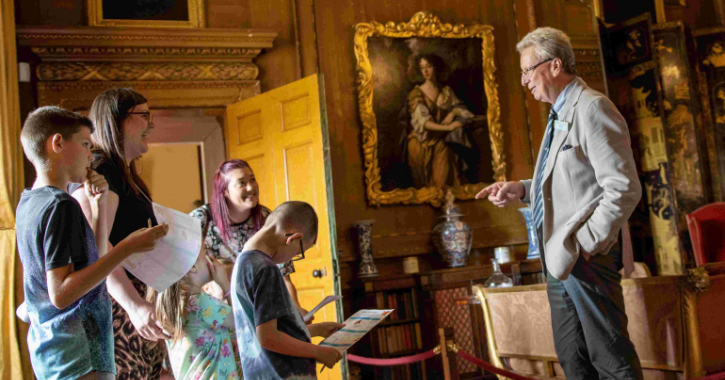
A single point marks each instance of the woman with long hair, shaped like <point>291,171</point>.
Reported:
<point>123,123</point>
<point>234,215</point>
<point>437,118</point>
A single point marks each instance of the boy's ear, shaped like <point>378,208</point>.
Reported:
<point>293,238</point>
<point>55,143</point>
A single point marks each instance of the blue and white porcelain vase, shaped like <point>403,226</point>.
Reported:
<point>533,240</point>
<point>363,230</point>
<point>452,237</point>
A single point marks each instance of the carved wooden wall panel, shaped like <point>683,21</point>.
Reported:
<point>172,68</point>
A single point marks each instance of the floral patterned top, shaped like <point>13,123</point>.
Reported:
<point>205,352</point>
<point>240,233</point>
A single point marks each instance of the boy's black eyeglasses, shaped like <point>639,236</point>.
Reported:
<point>301,255</point>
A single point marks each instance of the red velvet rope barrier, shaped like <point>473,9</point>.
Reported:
<point>490,367</point>
<point>465,355</point>
<point>389,362</point>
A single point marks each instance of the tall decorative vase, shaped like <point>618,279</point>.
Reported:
<point>452,237</point>
<point>363,230</point>
<point>533,240</point>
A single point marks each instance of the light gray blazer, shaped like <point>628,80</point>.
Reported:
<point>590,189</point>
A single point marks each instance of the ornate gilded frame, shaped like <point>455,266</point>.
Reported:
<point>196,17</point>
<point>425,25</point>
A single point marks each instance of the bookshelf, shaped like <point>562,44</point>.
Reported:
<point>403,333</point>
<point>418,294</point>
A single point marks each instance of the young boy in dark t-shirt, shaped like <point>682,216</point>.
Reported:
<point>274,342</point>
<point>66,302</point>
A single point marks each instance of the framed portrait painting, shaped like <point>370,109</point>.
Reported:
<point>146,13</point>
<point>429,107</point>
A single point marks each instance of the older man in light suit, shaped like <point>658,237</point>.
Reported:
<point>584,189</point>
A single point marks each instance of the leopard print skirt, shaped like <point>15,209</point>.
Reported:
<point>136,357</point>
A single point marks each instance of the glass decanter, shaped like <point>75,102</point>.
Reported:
<point>497,278</point>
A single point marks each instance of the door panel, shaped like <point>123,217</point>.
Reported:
<point>282,135</point>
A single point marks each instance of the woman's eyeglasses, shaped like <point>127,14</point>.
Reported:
<point>149,118</point>
<point>300,255</point>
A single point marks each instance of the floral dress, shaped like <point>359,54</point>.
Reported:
<point>206,351</point>
<point>240,233</point>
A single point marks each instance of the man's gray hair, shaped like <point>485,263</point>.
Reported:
<point>550,43</point>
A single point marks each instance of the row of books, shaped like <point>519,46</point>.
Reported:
<point>404,303</point>
<point>402,338</point>
<point>414,371</point>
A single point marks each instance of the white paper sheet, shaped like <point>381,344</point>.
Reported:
<point>319,306</point>
<point>356,327</point>
<point>174,254</point>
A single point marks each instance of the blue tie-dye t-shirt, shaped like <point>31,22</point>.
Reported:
<point>259,295</point>
<point>71,342</point>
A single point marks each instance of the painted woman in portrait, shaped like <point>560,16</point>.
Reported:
<point>436,130</point>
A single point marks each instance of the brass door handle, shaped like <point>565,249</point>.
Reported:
<point>319,273</point>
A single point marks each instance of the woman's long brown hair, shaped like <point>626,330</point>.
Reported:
<point>108,112</point>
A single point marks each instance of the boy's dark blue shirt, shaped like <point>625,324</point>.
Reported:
<point>259,295</point>
<point>52,232</point>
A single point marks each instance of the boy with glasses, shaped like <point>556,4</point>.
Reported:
<point>274,342</point>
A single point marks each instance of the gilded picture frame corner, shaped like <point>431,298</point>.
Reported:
<point>197,17</point>
<point>425,25</point>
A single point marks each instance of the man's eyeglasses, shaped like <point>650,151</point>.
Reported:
<point>149,118</point>
<point>526,72</point>
<point>301,255</point>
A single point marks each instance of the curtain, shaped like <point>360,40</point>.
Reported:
<point>11,183</point>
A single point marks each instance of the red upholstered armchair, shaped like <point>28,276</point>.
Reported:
<point>707,231</point>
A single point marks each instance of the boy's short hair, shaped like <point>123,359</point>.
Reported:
<point>297,214</point>
<point>45,122</point>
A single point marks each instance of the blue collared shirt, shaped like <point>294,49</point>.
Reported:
<point>561,99</point>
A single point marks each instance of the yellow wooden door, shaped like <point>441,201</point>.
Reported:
<point>282,134</point>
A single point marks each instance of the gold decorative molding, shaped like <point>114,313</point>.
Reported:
<point>142,71</point>
<point>425,25</point>
<point>102,36</point>
<point>71,53</point>
<point>195,11</point>
<point>161,94</point>
<point>171,67</point>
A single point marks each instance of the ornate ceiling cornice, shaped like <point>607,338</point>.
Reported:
<point>168,44</point>
<point>172,67</point>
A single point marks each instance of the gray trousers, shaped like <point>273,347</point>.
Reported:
<point>588,319</point>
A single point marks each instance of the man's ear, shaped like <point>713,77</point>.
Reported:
<point>557,67</point>
<point>55,143</point>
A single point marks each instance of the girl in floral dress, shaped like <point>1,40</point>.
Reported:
<point>202,326</point>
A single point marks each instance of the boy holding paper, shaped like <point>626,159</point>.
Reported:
<point>66,302</point>
<point>274,342</point>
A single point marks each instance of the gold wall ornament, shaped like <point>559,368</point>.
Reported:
<point>79,95</point>
<point>424,25</point>
<point>173,68</point>
<point>145,71</point>
<point>195,18</point>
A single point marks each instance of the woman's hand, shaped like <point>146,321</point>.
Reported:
<point>449,118</point>
<point>143,317</point>
<point>454,125</point>
<point>219,274</point>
